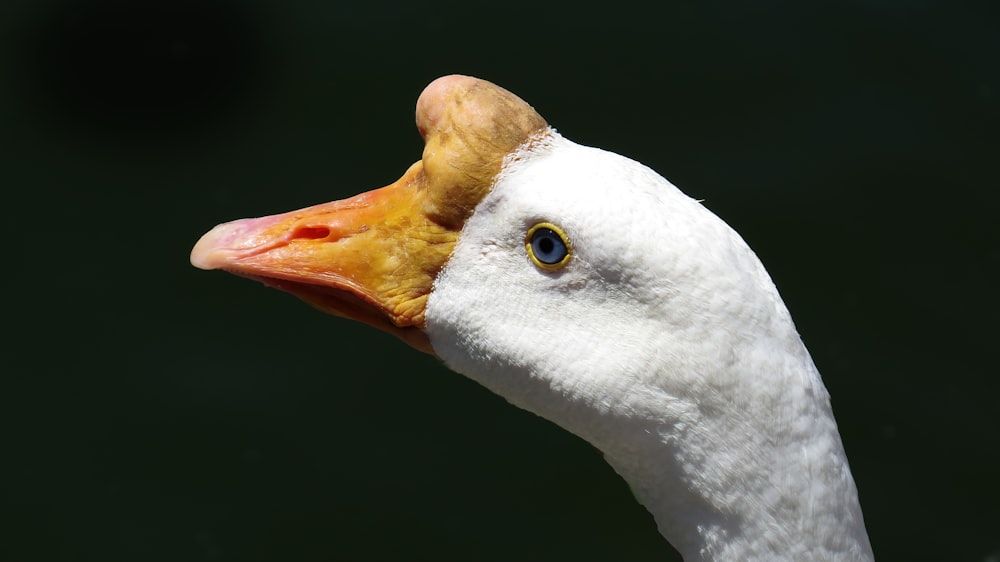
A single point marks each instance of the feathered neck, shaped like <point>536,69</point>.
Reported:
<point>767,485</point>
<point>664,343</point>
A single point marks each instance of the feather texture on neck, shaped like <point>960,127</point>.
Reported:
<point>663,343</point>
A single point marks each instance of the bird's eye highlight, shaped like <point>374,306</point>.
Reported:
<point>547,246</point>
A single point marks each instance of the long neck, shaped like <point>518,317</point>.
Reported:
<point>682,366</point>
<point>735,453</point>
<point>748,483</point>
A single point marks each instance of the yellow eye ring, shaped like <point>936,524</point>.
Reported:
<point>548,246</point>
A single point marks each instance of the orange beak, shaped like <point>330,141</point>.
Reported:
<point>370,258</point>
<point>374,257</point>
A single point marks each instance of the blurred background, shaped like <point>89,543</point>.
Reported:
<point>151,411</point>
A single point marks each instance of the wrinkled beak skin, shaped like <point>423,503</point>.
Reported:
<point>374,257</point>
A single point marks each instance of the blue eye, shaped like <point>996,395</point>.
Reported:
<point>547,246</point>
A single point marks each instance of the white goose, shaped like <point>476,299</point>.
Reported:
<point>582,286</point>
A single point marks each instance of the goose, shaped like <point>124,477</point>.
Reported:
<point>582,286</point>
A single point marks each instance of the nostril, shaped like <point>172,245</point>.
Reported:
<point>312,233</point>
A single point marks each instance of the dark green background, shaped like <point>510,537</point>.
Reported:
<point>151,411</point>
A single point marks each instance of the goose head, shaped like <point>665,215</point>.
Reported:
<point>582,286</point>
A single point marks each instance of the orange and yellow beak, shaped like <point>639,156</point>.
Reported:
<point>374,257</point>
<point>371,258</point>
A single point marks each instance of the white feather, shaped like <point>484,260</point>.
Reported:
<point>664,343</point>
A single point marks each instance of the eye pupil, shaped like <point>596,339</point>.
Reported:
<point>546,245</point>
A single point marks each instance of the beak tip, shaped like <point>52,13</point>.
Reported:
<point>210,251</point>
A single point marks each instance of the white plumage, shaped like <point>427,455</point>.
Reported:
<point>664,343</point>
